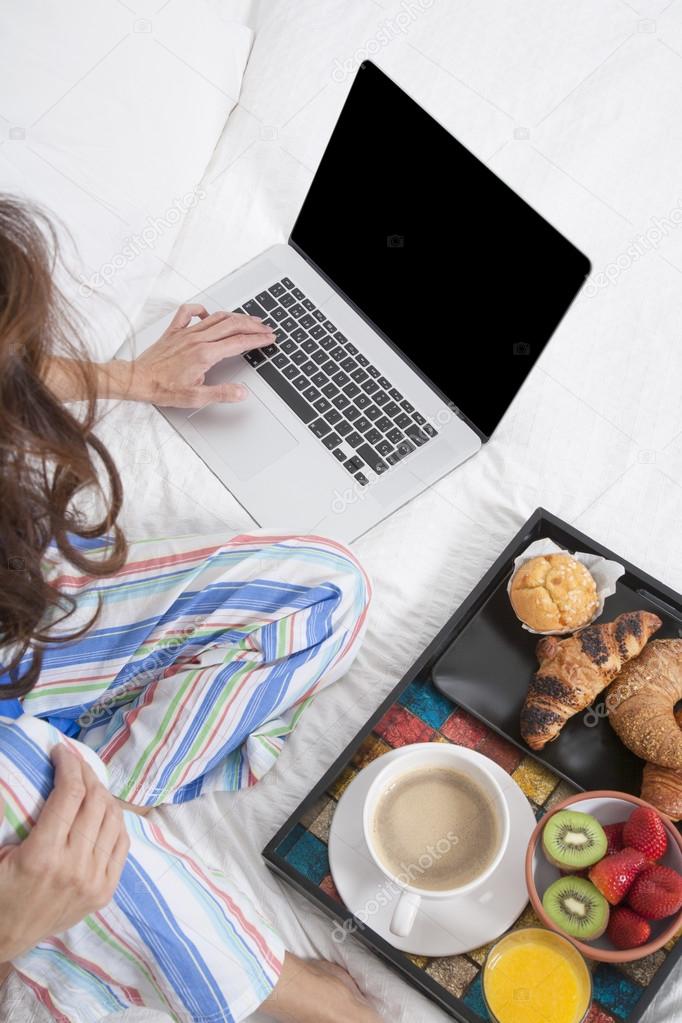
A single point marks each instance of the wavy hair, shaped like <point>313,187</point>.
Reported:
<point>48,452</point>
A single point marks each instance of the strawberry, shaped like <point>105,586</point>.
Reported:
<point>657,892</point>
<point>614,874</point>
<point>645,831</point>
<point>627,929</point>
<point>614,837</point>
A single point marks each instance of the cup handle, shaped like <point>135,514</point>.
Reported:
<point>405,913</point>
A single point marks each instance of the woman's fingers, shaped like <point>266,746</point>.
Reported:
<point>117,859</point>
<point>63,803</point>
<point>210,393</point>
<point>88,822</point>
<point>228,325</point>
<point>110,832</point>
<point>214,351</point>
<point>186,313</point>
<point>208,321</point>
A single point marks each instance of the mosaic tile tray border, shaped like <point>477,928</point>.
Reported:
<point>422,714</point>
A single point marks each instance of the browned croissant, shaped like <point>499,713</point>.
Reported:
<point>641,704</point>
<point>574,671</point>
<point>662,787</point>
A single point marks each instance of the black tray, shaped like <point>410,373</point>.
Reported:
<point>416,711</point>
<point>487,667</point>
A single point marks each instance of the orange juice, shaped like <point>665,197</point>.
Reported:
<point>536,976</point>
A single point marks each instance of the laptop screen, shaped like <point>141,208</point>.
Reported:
<point>452,267</point>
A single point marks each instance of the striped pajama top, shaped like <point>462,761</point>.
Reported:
<point>204,655</point>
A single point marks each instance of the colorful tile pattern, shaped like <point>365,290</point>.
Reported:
<point>643,970</point>
<point>321,824</point>
<point>424,715</point>
<point>426,703</point>
<point>329,888</point>
<point>464,730</point>
<point>474,1000</point>
<point>342,783</point>
<point>535,779</point>
<point>370,749</point>
<point>503,752</point>
<point>454,973</point>
<point>399,727</point>
<point>597,1015</point>
<point>309,857</point>
<point>615,991</point>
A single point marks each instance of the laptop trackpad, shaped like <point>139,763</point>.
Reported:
<point>245,435</point>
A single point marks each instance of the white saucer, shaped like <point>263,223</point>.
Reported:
<point>442,928</point>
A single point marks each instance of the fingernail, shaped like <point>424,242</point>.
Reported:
<point>240,392</point>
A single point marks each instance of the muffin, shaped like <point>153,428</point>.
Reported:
<point>554,593</point>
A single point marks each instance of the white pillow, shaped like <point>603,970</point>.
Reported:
<point>109,119</point>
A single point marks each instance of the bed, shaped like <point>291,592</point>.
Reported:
<point>575,105</point>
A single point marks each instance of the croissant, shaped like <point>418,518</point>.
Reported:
<point>662,787</point>
<point>574,671</point>
<point>641,704</point>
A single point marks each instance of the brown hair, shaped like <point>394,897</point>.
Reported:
<point>47,452</point>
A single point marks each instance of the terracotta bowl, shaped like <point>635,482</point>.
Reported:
<point>608,808</point>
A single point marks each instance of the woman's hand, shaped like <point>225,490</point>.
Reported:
<point>172,370</point>
<point>70,863</point>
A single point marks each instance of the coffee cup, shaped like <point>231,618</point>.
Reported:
<point>436,824</point>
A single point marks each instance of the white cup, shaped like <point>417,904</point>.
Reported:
<point>420,756</point>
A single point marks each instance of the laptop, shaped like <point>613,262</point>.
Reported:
<point>412,299</point>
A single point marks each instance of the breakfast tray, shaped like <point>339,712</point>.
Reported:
<point>417,711</point>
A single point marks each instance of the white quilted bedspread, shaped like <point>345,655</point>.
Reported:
<point>576,105</point>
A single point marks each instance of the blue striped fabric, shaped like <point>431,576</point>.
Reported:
<point>204,655</point>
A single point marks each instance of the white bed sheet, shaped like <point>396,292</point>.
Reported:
<point>576,106</point>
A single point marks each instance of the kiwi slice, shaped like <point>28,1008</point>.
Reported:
<point>572,840</point>
<point>576,906</point>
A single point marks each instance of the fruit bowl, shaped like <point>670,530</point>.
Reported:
<point>608,808</point>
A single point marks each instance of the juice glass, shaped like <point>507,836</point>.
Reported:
<point>536,976</point>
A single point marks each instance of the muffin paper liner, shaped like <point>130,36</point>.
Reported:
<point>604,572</point>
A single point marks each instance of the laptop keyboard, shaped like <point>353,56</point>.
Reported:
<point>346,402</point>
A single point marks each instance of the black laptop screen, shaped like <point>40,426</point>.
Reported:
<point>452,266</point>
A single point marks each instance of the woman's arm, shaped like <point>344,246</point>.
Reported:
<point>115,379</point>
<point>70,863</point>
<point>172,370</point>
